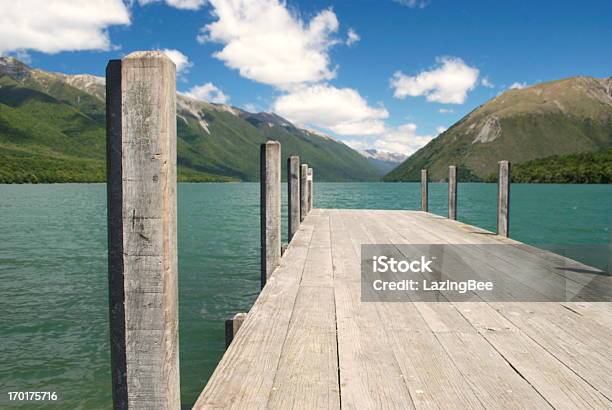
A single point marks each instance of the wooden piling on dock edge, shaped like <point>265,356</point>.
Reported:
<point>310,189</point>
<point>503,203</point>
<point>270,208</point>
<point>293,194</point>
<point>232,326</point>
<point>142,247</point>
<point>452,192</point>
<point>424,190</point>
<point>303,191</point>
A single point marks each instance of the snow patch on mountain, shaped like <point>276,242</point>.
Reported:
<point>386,156</point>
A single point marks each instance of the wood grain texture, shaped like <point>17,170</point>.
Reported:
<point>232,326</point>
<point>143,267</point>
<point>503,199</point>
<point>293,195</point>
<point>303,191</point>
<point>270,198</point>
<point>326,348</point>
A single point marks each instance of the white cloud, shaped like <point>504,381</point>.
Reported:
<point>250,107</point>
<point>448,83</point>
<point>208,92</point>
<point>440,129</point>
<point>352,37</point>
<point>268,44</point>
<point>413,3</point>
<point>485,82</point>
<point>446,111</point>
<point>403,140</point>
<point>180,60</point>
<point>518,85</point>
<point>179,4</point>
<point>341,110</point>
<point>59,25</point>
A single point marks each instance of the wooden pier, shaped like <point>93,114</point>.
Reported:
<point>310,341</point>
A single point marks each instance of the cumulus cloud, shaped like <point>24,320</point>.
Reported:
<point>446,111</point>
<point>180,60</point>
<point>268,44</point>
<point>447,83</point>
<point>208,92</point>
<point>179,4</point>
<point>341,110</point>
<point>352,37</point>
<point>403,139</point>
<point>485,82</point>
<point>518,86</point>
<point>59,25</point>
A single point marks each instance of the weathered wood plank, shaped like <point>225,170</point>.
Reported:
<point>311,342</point>
<point>143,271</point>
<point>245,375</point>
<point>307,375</point>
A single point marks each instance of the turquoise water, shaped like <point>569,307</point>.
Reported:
<point>53,298</point>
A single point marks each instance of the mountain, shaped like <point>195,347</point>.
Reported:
<point>383,160</point>
<point>555,118</point>
<point>52,129</point>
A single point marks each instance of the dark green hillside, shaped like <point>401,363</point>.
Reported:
<point>584,168</point>
<point>52,129</point>
<point>556,118</point>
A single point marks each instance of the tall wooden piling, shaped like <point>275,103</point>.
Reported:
<point>503,202</point>
<point>270,208</point>
<point>452,192</point>
<point>142,253</point>
<point>303,191</point>
<point>310,188</point>
<point>424,190</point>
<point>293,194</point>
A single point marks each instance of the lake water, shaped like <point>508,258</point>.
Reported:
<point>53,294</point>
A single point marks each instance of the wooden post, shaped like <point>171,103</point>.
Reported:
<point>503,203</point>
<point>452,192</point>
<point>142,254</point>
<point>232,326</point>
<point>310,189</point>
<point>303,191</point>
<point>270,209</point>
<point>424,192</point>
<point>293,194</point>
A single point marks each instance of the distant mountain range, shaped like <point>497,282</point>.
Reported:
<point>561,117</point>
<point>383,160</point>
<point>52,129</point>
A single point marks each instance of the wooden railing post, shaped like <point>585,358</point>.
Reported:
<point>424,191</point>
<point>503,203</point>
<point>232,326</point>
<point>293,194</point>
<point>142,253</point>
<point>452,192</point>
<point>303,191</point>
<point>270,209</point>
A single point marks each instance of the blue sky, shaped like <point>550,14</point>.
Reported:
<point>386,74</point>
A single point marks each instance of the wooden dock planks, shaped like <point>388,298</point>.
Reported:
<point>310,342</point>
